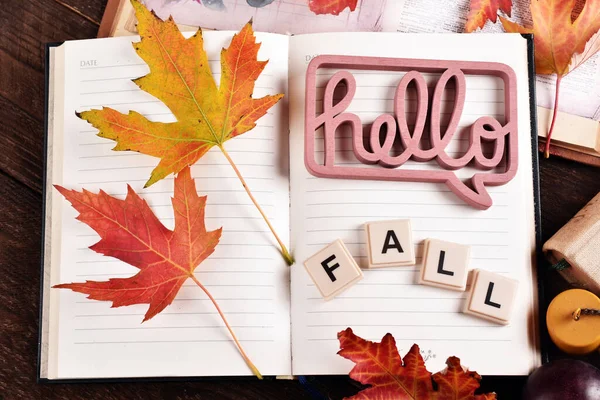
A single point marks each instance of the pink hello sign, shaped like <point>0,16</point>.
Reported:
<point>497,168</point>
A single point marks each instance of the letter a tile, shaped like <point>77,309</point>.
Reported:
<point>492,296</point>
<point>445,265</point>
<point>390,244</point>
<point>333,270</point>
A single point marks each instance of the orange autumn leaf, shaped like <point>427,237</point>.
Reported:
<point>558,38</point>
<point>483,10</point>
<point>392,378</point>
<point>334,7</point>
<point>454,383</point>
<point>180,76</point>
<point>561,43</point>
<point>130,232</point>
<point>207,116</point>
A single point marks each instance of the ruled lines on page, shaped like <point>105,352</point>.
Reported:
<point>389,299</point>
<point>246,274</point>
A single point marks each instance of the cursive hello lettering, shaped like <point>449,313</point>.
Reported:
<point>503,137</point>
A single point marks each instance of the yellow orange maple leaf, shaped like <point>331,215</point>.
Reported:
<point>181,78</point>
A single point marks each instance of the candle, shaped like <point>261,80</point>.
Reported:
<point>574,322</point>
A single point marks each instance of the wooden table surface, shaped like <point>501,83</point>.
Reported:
<point>25,26</point>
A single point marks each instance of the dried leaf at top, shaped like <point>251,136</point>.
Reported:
<point>483,10</point>
<point>334,7</point>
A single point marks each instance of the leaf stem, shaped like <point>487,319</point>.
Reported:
<point>284,251</point>
<point>554,116</point>
<point>255,370</point>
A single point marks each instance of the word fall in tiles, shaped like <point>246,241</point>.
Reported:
<point>445,265</point>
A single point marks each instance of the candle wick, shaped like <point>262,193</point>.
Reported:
<point>585,311</point>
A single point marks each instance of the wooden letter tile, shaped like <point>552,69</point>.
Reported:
<point>333,270</point>
<point>445,265</point>
<point>390,244</point>
<point>492,296</point>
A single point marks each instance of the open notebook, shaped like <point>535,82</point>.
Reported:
<point>284,324</point>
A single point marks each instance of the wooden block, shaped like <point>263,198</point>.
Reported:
<point>492,296</point>
<point>333,270</point>
<point>445,265</point>
<point>502,137</point>
<point>390,244</point>
<point>570,131</point>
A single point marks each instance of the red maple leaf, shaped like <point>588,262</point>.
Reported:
<point>456,383</point>
<point>331,6</point>
<point>391,378</point>
<point>131,232</point>
<point>482,10</point>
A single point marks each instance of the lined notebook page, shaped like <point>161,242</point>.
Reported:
<point>388,299</point>
<point>246,273</point>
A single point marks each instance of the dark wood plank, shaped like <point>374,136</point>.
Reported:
<point>93,10</point>
<point>566,186</point>
<point>22,141</point>
<point>25,28</point>
<point>22,113</point>
<point>22,85</point>
<point>27,25</point>
<point>20,228</point>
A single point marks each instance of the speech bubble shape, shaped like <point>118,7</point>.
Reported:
<point>503,136</point>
